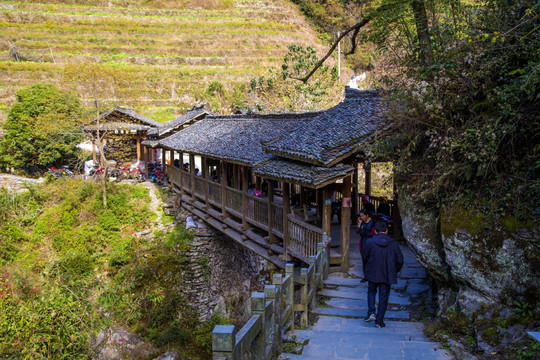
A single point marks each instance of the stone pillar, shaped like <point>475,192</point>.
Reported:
<point>223,342</point>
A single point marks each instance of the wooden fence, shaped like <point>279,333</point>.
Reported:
<point>272,312</point>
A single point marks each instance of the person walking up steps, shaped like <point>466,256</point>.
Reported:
<point>384,259</point>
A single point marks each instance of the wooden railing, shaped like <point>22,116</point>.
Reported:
<point>257,210</point>
<point>273,312</point>
<point>200,186</point>
<point>303,238</point>
<point>214,195</point>
<point>174,174</point>
<point>186,181</point>
<point>234,201</point>
<point>278,219</point>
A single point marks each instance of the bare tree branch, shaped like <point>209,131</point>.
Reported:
<point>356,28</point>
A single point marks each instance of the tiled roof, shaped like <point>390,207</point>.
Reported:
<point>336,132</point>
<point>196,112</point>
<point>301,173</point>
<point>152,143</point>
<point>124,119</point>
<point>118,126</point>
<point>235,138</point>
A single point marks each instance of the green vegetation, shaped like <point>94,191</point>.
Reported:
<point>276,92</point>
<point>41,129</point>
<point>167,52</point>
<point>69,268</point>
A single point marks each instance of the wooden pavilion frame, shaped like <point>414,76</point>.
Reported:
<point>300,171</point>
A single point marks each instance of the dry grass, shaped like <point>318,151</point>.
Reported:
<point>168,51</point>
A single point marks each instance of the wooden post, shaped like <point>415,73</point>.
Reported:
<point>244,170</point>
<point>192,173</point>
<point>302,196</point>
<point>181,174</point>
<point>286,211</point>
<point>270,210</point>
<point>223,342</point>
<point>223,192</point>
<point>204,169</point>
<point>258,307</point>
<point>355,207</point>
<point>234,180</point>
<point>138,148</point>
<point>163,162</point>
<point>367,169</point>
<point>345,225</point>
<point>327,210</point>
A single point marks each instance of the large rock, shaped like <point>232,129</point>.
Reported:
<point>116,343</point>
<point>472,266</point>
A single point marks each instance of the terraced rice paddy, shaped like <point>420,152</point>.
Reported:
<point>168,56</point>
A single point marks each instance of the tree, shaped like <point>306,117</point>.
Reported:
<point>275,93</point>
<point>100,85</point>
<point>465,76</point>
<point>41,128</point>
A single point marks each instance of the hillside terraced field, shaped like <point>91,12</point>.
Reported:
<point>167,51</point>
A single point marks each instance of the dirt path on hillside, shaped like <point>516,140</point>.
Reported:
<point>17,183</point>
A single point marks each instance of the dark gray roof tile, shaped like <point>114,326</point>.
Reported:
<point>301,173</point>
<point>336,132</point>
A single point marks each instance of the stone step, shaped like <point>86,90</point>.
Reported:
<point>359,314</point>
<point>330,323</point>
<point>340,293</point>
<point>355,282</point>
<point>353,304</point>
<point>376,344</point>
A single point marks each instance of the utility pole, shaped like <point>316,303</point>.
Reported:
<point>339,56</point>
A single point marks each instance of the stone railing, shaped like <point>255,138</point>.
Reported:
<point>272,312</point>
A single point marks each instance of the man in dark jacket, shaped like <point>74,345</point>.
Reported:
<point>384,260</point>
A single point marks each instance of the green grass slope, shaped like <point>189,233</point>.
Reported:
<point>167,51</point>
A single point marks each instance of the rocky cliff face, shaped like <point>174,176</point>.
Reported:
<point>473,267</point>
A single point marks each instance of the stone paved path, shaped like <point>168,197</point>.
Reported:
<point>341,333</point>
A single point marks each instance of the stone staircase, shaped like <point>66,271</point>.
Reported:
<point>339,332</point>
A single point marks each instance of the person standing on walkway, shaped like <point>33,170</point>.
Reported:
<point>384,259</point>
<point>365,230</point>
